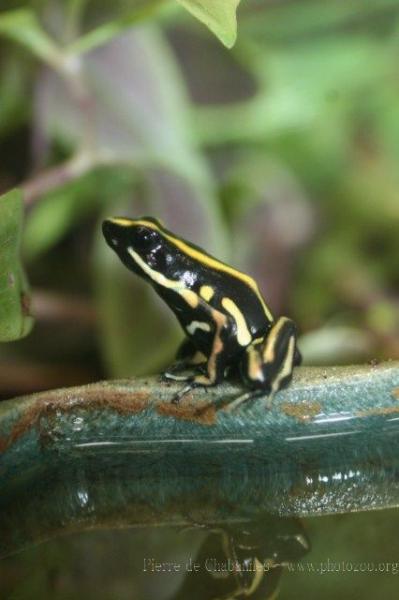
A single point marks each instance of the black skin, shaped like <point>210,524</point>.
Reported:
<point>165,258</point>
<point>270,370</point>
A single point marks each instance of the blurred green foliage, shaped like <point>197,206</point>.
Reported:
<point>15,319</point>
<point>279,156</point>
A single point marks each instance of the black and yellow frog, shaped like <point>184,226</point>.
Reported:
<point>224,316</point>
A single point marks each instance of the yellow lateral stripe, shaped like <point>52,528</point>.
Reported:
<point>190,297</point>
<point>208,261</point>
<point>159,278</point>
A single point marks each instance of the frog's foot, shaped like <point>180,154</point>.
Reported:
<point>176,372</point>
<point>248,397</point>
<point>184,390</point>
<point>171,377</point>
<point>193,382</point>
<point>181,371</point>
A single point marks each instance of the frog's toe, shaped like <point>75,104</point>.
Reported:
<point>185,390</point>
<point>248,397</point>
<point>180,372</point>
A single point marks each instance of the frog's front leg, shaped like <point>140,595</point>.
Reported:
<point>267,363</point>
<point>187,357</point>
<point>218,357</point>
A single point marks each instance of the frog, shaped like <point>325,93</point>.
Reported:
<point>227,323</point>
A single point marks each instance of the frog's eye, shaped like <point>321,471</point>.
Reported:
<point>141,231</point>
<point>144,235</point>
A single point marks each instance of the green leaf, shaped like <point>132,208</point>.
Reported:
<point>137,117</point>
<point>23,27</point>
<point>15,320</point>
<point>218,15</point>
<point>113,27</point>
<point>141,123</point>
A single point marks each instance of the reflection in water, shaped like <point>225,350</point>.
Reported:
<point>244,560</point>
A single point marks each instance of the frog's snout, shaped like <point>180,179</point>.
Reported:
<point>110,233</point>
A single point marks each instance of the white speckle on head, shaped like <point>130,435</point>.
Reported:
<point>114,242</point>
<point>188,278</point>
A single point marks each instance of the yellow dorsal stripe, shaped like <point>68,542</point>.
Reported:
<point>203,258</point>
<point>121,221</point>
<point>213,263</point>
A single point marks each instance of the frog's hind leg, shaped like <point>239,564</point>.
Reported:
<point>267,364</point>
<point>247,397</point>
<point>280,354</point>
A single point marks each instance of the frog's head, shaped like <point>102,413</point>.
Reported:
<point>140,244</point>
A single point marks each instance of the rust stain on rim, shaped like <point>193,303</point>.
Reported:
<point>121,401</point>
<point>384,410</point>
<point>203,413</point>
<point>304,411</point>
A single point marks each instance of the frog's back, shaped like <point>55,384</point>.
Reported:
<point>225,288</point>
<point>220,285</point>
<point>237,294</point>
